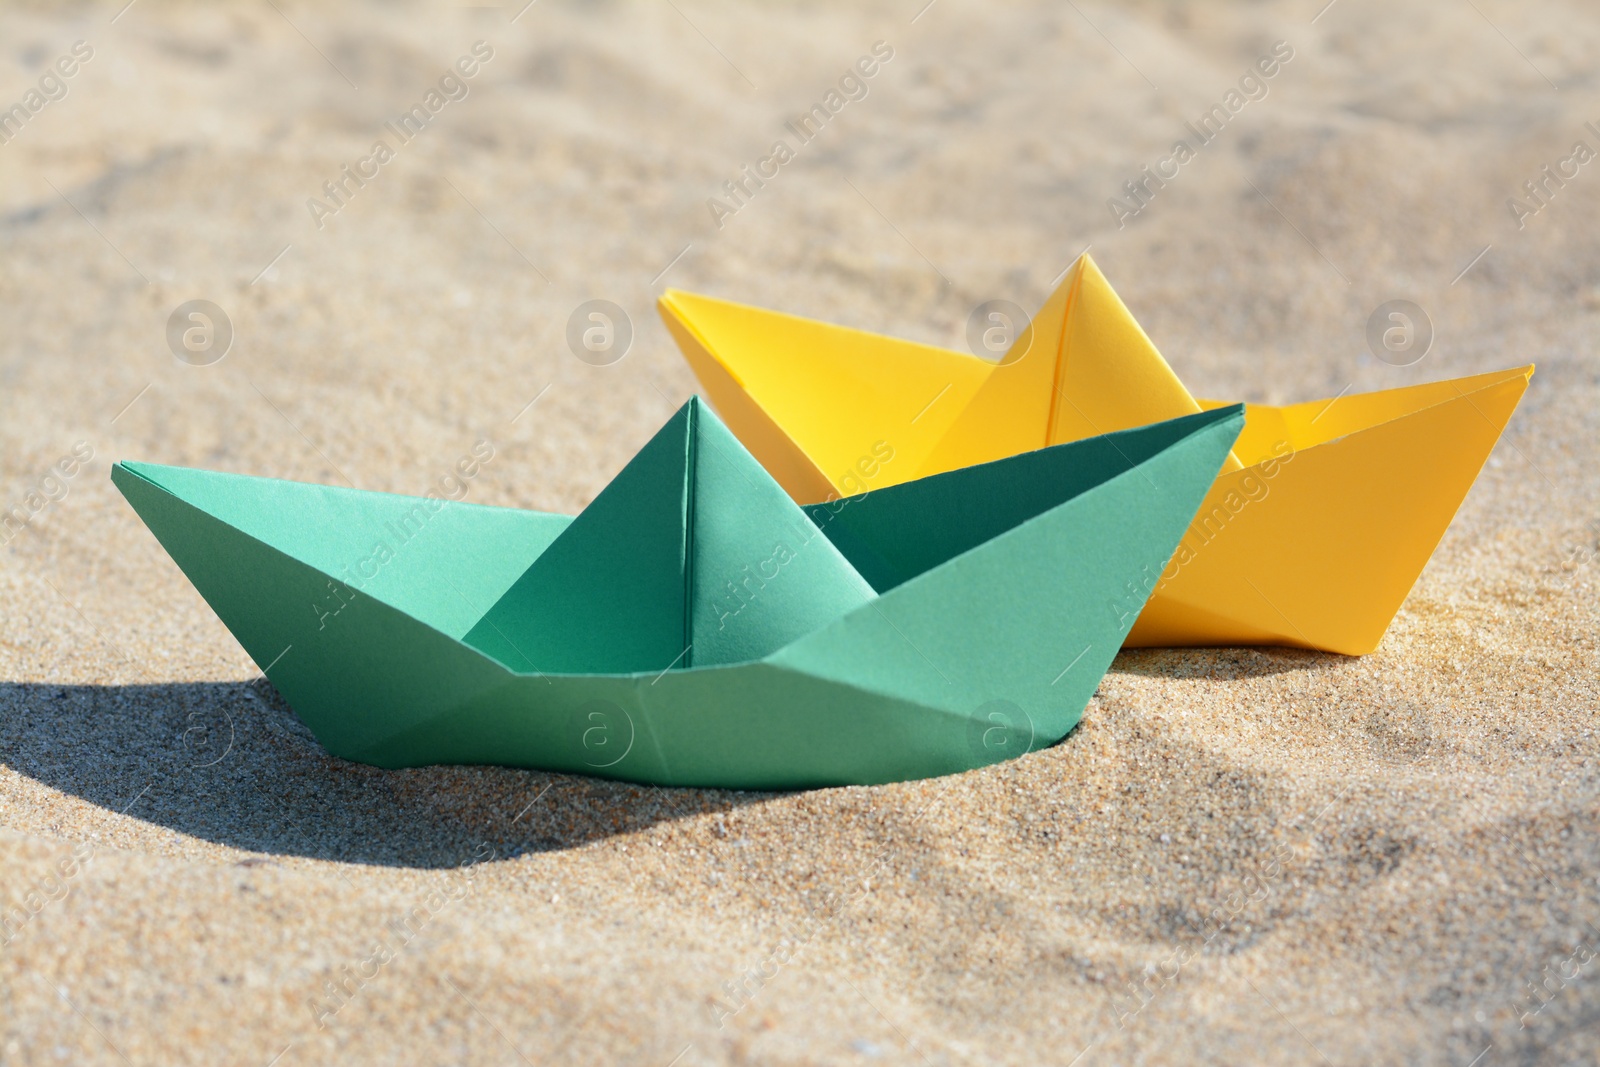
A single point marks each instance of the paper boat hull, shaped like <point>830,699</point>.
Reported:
<point>1319,553</point>
<point>957,668</point>
<point>1319,548</point>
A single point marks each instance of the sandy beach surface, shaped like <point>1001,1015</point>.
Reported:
<point>1241,856</point>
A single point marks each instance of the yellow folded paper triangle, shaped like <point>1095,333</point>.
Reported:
<point>1312,536</point>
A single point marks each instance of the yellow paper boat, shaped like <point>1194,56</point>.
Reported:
<point>1312,536</point>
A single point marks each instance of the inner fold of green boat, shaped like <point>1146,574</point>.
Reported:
<point>891,535</point>
<point>692,556</point>
<point>444,562</point>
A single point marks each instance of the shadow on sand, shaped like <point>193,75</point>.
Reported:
<point>1223,663</point>
<point>229,762</point>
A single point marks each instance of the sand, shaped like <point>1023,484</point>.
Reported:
<point>1241,856</point>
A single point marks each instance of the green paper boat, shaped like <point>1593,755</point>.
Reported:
<point>693,626</point>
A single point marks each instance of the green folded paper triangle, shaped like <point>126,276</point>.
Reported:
<point>693,626</point>
<point>663,567</point>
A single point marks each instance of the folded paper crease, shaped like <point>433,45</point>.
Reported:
<point>1319,523</point>
<point>407,631</point>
